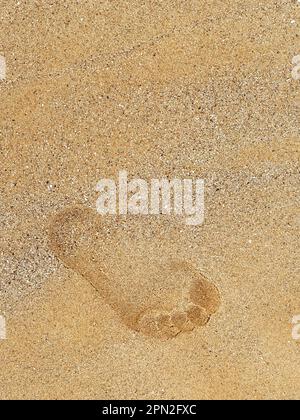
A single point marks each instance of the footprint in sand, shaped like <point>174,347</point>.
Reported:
<point>154,295</point>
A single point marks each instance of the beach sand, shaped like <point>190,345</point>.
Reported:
<point>194,89</point>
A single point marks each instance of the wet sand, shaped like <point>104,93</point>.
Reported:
<point>179,89</point>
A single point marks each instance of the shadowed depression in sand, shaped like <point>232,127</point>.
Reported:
<point>160,299</point>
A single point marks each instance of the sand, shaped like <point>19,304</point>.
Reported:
<point>194,89</point>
